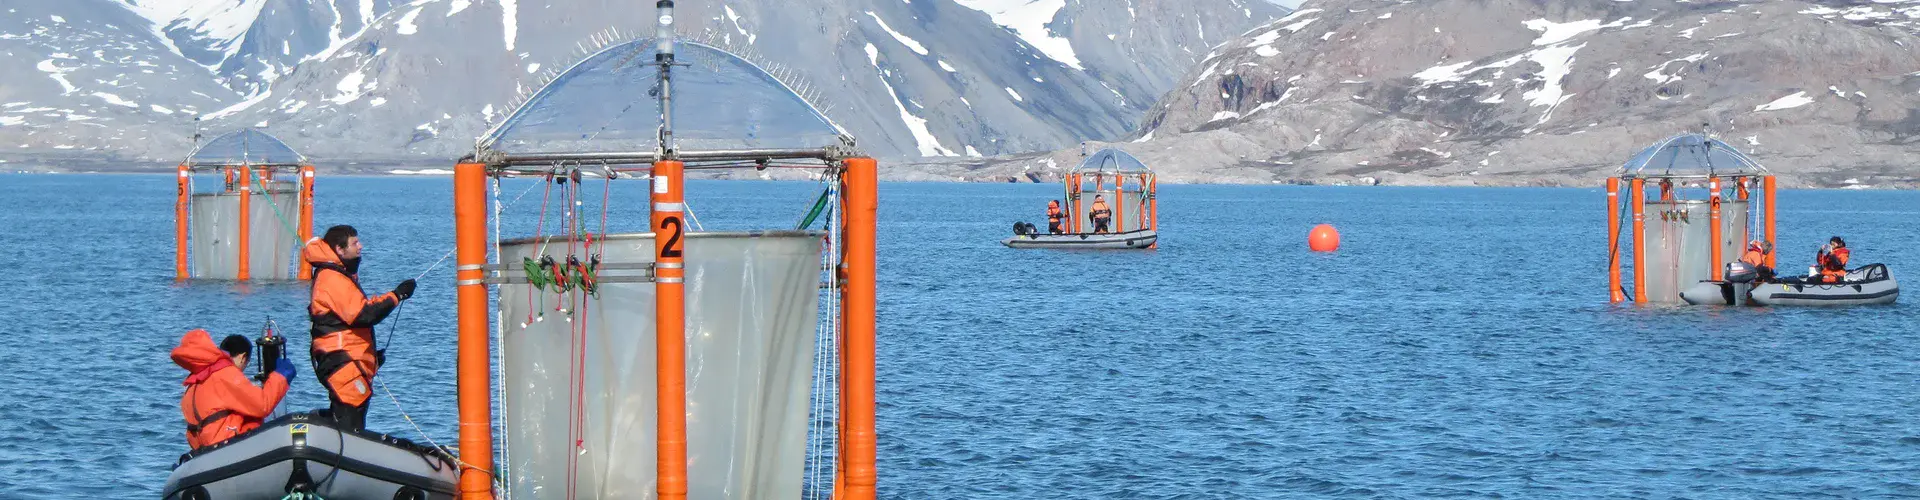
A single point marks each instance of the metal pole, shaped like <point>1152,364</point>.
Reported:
<point>1768,187</point>
<point>246,223</point>
<point>1637,194</point>
<point>1613,241</point>
<point>473,385</point>
<point>1153,207</point>
<point>857,361</point>
<point>306,218</point>
<point>180,225</point>
<point>670,327</point>
<point>1714,232</point>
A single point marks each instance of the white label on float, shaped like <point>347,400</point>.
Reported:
<point>660,184</point>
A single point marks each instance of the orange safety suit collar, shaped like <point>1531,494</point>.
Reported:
<point>220,402</point>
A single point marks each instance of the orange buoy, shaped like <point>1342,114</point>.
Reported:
<point>1323,238</point>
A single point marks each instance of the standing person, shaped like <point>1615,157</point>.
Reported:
<point>1055,218</point>
<point>1832,260</point>
<point>1101,215</point>
<point>220,402</point>
<point>343,317</point>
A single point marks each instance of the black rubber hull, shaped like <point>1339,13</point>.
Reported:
<point>1142,239</point>
<point>305,453</point>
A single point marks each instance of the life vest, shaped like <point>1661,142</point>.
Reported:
<point>220,402</point>
<point>1833,265</point>
<point>343,318</point>
<point>1100,210</point>
<point>1054,215</point>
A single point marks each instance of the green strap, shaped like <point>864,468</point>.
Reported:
<point>268,191</point>
<point>819,206</point>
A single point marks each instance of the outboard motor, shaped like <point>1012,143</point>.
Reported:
<point>1740,272</point>
<point>1740,278</point>
<point>1022,228</point>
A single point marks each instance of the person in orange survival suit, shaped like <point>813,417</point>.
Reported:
<point>1832,260</point>
<point>1100,214</point>
<point>1055,217</point>
<point>343,317</point>
<point>220,402</point>
<point>1756,258</point>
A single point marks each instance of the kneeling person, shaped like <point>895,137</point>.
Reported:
<point>220,402</point>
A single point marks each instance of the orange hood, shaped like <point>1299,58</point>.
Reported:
<point>318,251</point>
<point>199,356</point>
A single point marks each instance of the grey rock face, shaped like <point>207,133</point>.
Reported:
<point>1505,92</point>
<point>85,78</point>
<point>912,78</point>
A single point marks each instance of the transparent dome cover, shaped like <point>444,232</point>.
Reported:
<point>1691,155</point>
<point>1112,161</point>
<point>608,103</point>
<point>245,147</point>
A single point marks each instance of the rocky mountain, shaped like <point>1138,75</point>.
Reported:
<point>420,80</point>
<point>250,43</point>
<point>86,79</point>
<point>1505,92</point>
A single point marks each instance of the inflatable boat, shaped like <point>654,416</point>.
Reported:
<point>1026,237</point>
<point>1870,284</point>
<point>304,453</point>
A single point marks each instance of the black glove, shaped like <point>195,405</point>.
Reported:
<point>380,357</point>
<point>405,290</point>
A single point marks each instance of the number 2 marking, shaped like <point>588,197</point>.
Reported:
<point>672,248</point>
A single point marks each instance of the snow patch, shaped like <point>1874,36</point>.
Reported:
<point>376,102</point>
<point>8,121</point>
<point>1557,63</point>
<point>1145,138</point>
<point>406,22</point>
<point>948,67</point>
<point>533,68</point>
<point>922,136</point>
<point>1016,95</point>
<point>909,42</point>
<point>457,6</point>
<point>1028,19</point>
<point>116,100</point>
<point>510,19</point>
<point>1224,115</point>
<point>1552,32</point>
<point>349,88</point>
<point>1796,100</point>
<point>58,74</point>
<point>1659,76</point>
<point>1267,51</point>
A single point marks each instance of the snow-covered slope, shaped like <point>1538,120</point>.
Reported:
<point>84,77</point>
<point>391,80</point>
<point>251,43</point>
<point>1522,91</point>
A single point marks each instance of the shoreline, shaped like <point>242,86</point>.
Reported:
<point>982,172</point>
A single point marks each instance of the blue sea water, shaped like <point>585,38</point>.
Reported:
<point>1459,344</point>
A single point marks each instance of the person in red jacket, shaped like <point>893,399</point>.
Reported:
<point>343,317</point>
<point>1832,260</point>
<point>220,402</point>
